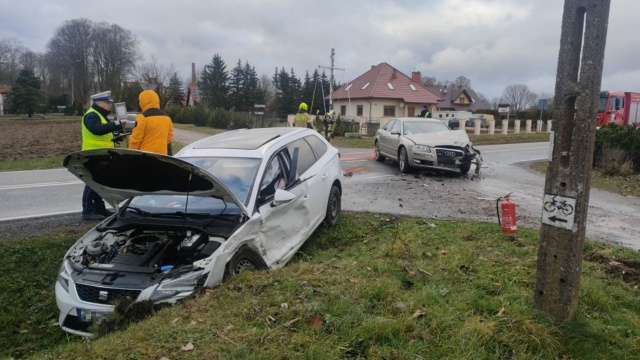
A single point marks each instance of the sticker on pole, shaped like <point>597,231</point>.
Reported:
<point>558,211</point>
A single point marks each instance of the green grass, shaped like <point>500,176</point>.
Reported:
<point>623,185</point>
<point>497,139</point>
<point>29,316</point>
<point>46,162</point>
<point>378,287</point>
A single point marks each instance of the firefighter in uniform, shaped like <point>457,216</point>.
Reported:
<point>97,133</point>
<point>302,118</point>
<point>328,123</point>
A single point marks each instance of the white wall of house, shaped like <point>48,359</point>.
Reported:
<point>374,109</point>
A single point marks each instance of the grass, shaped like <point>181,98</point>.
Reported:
<point>29,320</point>
<point>623,185</point>
<point>375,286</point>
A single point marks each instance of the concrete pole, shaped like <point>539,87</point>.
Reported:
<point>463,124</point>
<point>505,127</point>
<point>568,181</point>
<point>527,127</point>
<point>492,127</point>
<point>539,126</point>
<point>516,127</point>
<point>476,128</point>
<point>549,124</point>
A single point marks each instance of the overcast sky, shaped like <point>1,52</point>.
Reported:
<point>494,43</point>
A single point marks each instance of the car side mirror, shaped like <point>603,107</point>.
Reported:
<point>282,197</point>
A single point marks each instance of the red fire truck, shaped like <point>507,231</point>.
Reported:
<point>622,108</point>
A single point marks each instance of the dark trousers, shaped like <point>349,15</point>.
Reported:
<point>92,203</point>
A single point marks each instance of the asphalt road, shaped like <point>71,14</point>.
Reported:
<point>379,187</point>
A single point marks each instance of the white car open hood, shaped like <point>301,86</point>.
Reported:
<point>455,137</point>
<point>120,174</point>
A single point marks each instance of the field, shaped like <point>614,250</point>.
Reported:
<point>32,139</point>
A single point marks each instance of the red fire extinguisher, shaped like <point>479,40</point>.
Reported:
<point>508,215</point>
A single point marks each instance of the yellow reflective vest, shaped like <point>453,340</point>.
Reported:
<point>92,141</point>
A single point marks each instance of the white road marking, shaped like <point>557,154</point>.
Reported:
<point>28,186</point>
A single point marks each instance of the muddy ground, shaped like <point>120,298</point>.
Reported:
<point>32,139</point>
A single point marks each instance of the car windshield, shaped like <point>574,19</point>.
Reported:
<point>603,104</point>
<point>237,174</point>
<point>421,127</point>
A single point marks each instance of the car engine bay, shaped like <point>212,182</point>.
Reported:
<point>145,251</point>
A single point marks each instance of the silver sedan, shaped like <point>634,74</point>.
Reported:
<point>426,144</point>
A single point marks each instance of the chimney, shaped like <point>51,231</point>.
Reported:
<point>194,81</point>
<point>416,76</point>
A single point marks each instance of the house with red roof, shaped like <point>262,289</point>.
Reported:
<point>459,99</point>
<point>381,93</point>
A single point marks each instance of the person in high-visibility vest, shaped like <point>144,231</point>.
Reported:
<point>425,112</point>
<point>328,123</point>
<point>302,118</point>
<point>97,133</point>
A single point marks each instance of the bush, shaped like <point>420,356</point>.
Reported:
<point>242,121</point>
<point>614,161</point>
<point>626,138</point>
<point>220,118</point>
<point>172,111</point>
<point>196,115</point>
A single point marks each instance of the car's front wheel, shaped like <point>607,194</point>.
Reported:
<point>379,157</point>
<point>334,207</point>
<point>403,161</point>
<point>465,167</point>
<point>244,260</point>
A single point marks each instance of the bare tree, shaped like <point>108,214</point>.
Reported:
<point>153,72</point>
<point>268,90</point>
<point>519,97</point>
<point>462,82</point>
<point>114,52</point>
<point>70,51</point>
<point>10,51</point>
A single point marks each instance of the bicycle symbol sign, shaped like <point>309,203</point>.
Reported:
<point>558,211</point>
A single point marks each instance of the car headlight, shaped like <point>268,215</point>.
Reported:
<point>421,148</point>
<point>173,287</point>
<point>63,277</point>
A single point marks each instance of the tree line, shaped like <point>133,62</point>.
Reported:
<point>84,57</point>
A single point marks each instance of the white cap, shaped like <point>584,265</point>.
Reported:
<point>103,96</point>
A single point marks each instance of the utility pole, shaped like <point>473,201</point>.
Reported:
<point>331,68</point>
<point>568,180</point>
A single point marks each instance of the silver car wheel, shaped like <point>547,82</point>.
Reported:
<point>403,161</point>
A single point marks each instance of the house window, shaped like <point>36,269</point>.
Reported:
<point>343,110</point>
<point>365,86</point>
<point>390,86</point>
<point>389,111</point>
<point>359,110</point>
<point>413,87</point>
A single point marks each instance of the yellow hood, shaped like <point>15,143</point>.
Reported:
<point>149,100</point>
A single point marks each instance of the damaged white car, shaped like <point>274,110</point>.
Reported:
<point>426,144</point>
<point>244,199</point>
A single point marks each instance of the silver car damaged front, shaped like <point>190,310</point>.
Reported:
<point>443,150</point>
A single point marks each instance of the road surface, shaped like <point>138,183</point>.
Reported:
<point>379,187</point>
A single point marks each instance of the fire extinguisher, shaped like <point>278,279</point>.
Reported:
<point>508,215</point>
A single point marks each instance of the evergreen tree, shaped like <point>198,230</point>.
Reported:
<point>214,84</point>
<point>26,96</point>
<point>175,92</point>
<point>251,87</point>
<point>237,86</point>
<point>288,92</point>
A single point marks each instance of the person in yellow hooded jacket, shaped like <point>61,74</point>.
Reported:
<point>154,129</point>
